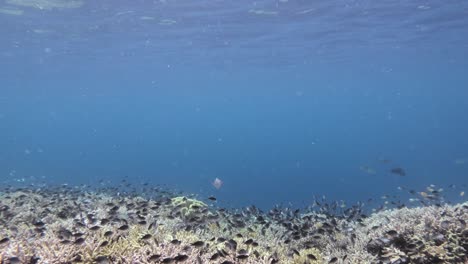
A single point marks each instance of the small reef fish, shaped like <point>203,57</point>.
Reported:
<point>461,161</point>
<point>367,170</point>
<point>398,171</point>
<point>383,160</point>
<point>86,222</point>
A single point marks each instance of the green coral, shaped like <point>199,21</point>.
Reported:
<point>187,206</point>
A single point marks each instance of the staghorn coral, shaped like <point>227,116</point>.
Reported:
<point>187,202</point>
<point>68,225</point>
<point>310,255</point>
<point>419,235</point>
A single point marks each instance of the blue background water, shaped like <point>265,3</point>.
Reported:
<point>281,100</point>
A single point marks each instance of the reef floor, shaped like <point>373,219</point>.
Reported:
<point>76,225</point>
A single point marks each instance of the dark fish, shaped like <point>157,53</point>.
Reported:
<point>65,242</point>
<point>151,225</point>
<point>140,217</point>
<point>33,260</point>
<point>242,256</point>
<point>215,256</point>
<point>462,222</point>
<point>167,260</point>
<point>232,244</point>
<point>222,252</point>
<point>40,230</point>
<point>198,244</point>
<point>392,233</point>
<point>333,260</point>
<point>180,258</point>
<point>79,241</point>
<point>94,228</point>
<point>80,224</point>
<point>78,234</point>
<point>38,223</point>
<point>256,253</point>
<point>242,252</point>
<point>14,260</point>
<point>411,246</point>
<point>145,237</point>
<point>154,257</point>
<point>77,258</point>
<point>64,233</point>
<point>311,256</point>
<point>123,227</point>
<point>176,242</point>
<point>4,240</point>
<point>212,198</point>
<point>102,260</point>
<point>108,233</point>
<point>104,243</point>
<point>398,171</point>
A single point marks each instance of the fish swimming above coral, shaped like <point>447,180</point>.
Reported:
<point>103,226</point>
<point>398,171</point>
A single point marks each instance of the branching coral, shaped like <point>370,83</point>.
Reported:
<point>84,227</point>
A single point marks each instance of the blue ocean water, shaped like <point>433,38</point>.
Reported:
<point>281,100</point>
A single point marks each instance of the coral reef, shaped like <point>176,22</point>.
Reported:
<point>188,207</point>
<point>72,225</point>
<point>420,235</point>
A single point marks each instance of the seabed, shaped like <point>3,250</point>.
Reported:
<point>77,225</point>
